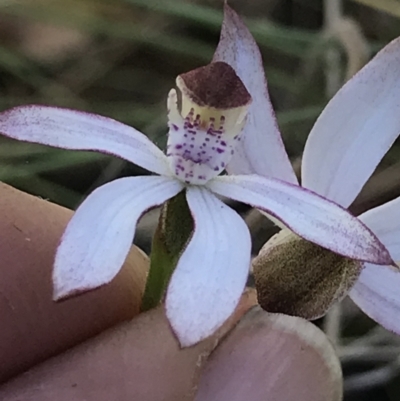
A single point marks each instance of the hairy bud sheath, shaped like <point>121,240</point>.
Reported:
<point>298,278</point>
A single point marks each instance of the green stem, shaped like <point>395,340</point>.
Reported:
<point>173,232</point>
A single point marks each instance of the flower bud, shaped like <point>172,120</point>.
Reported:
<point>296,277</point>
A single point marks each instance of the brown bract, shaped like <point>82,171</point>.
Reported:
<point>298,278</point>
<point>33,326</point>
<point>214,85</point>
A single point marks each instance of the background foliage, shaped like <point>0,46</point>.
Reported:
<point>119,58</point>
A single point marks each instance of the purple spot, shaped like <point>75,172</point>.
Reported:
<point>223,143</point>
<point>219,150</point>
<point>216,168</point>
<point>178,146</point>
<point>223,164</point>
<point>208,139</point>
<point>192,146</point>
<point>175,127</point>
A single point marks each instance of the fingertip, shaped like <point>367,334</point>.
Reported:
<point>34,327</point>
<point>140,359</point>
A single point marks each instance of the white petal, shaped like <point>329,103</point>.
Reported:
<point>355,130</point>
<point>100,233</point>
<point>261,149</point>
<point>307,214</point>
<point>384,221</point>
<point>377,293</point>
<point>70,129</point>
<point>212,271</point>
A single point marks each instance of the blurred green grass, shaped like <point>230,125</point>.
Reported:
<point>120,59</point>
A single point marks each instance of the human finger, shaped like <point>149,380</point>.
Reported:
<point>34,327</point>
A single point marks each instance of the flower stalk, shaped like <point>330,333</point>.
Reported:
<point>175,226</point>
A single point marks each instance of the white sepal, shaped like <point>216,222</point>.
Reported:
<point>212,271</point>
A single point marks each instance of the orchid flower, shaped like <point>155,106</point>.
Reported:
<point>347,142</point>
<point>204,134</point>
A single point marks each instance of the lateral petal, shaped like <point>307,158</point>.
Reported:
<point>305,213</point>
<point>71,129</point>
<point>376,291</point>
<point>377,294</point>
<point>356,129</point>
<point>100,233</point>
<point>212,271</point>
<point>384,221</point>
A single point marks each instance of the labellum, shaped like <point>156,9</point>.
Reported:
<point>205,130</point>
